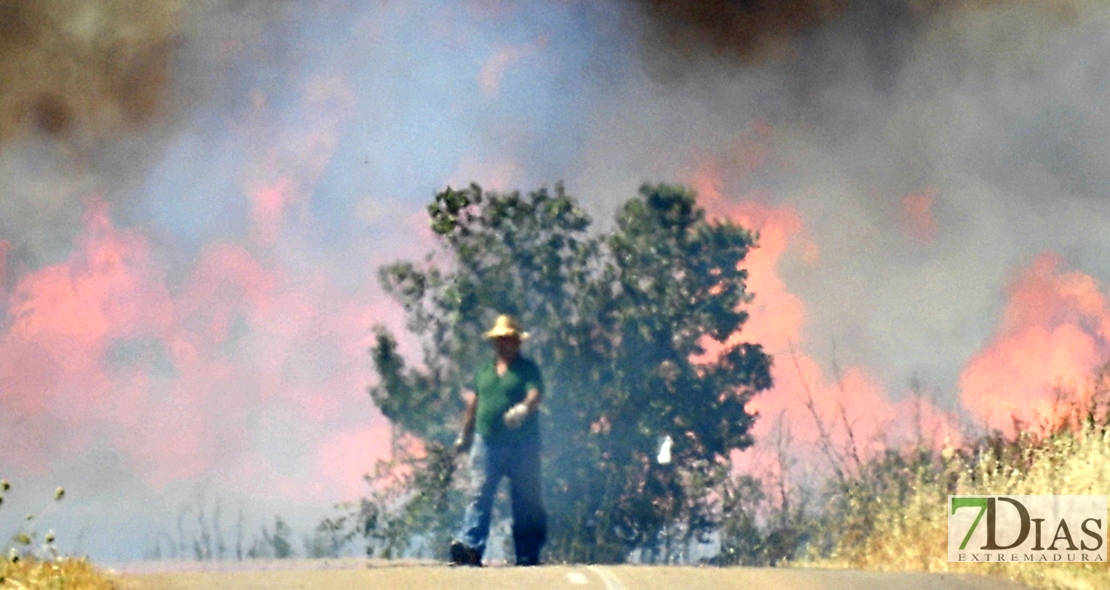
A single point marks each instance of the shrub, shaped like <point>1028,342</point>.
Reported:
<point>891,514</point>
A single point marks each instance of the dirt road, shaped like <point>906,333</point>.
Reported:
<point>556,577</point>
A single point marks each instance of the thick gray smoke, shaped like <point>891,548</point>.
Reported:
<point>744,33</point>
<point>992,115</point>
<point>995,111</point>
<point>74,74</point>
<point>82,68</point>
<point>91,90</point>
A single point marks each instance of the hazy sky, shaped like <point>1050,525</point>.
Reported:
<point>194,203</point>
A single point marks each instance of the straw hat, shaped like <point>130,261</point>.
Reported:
<point>505,326</point>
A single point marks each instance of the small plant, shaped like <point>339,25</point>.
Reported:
<point>24,543</point>
<point>27,563</point>
<point>273,546</point>
<point>329,538</point>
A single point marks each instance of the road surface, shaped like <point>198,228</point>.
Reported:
<point>554,577</point>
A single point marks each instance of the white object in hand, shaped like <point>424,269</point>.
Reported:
<point>462,444</point>
<point>515,416</point>
<point>664,457</point>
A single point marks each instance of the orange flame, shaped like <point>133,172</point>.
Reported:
<point>184,381</point>
<point>1054,333</point>
<point>268,206</point>
<point>5,247</point>
<point>917,216</point>
<point>847,413</point>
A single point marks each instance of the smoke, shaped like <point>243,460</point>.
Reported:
<point>85,69</point>
<point>917,216</point>
<point>833,416</point>
<point>245,374</point>
<point>739,30</point>
<point>196,198</point>
<point>166,307</point>
<point>677,35</point>
<point>4,247</point>
<point>922,185</point>
<point>903,161</point>
<point>93,94</point>
<point>494,69</point>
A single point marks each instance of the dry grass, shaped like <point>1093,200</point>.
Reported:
<point>61,574</point>
<point>25,564</point>
<point>901,523</point>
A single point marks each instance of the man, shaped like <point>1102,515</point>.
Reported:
<point>501,431</point>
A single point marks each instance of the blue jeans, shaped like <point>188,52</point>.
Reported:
<point>520,462</point>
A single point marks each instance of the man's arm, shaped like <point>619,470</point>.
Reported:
<point>516,414</point>
<point>466,437</point>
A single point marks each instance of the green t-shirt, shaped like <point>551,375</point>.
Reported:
<point>496,394</point>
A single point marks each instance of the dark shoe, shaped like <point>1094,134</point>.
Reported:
<point>527,561</point>
<point>463,555</point>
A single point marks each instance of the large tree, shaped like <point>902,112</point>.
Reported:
<point>630,327</point>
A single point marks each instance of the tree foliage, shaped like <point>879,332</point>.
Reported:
<point>631,328</point>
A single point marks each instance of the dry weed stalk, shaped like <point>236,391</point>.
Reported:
<point>25,565</point>
<point>1067,452</point>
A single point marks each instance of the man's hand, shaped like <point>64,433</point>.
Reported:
<point>462,444</point>
<point>515,416</point>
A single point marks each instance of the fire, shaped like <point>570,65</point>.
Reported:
<point>917,216</point>
<point>5,247</point>
<point>268,206</point>
<point>1054,333</point>
<point>187,379</point>
<point>820,408</point>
